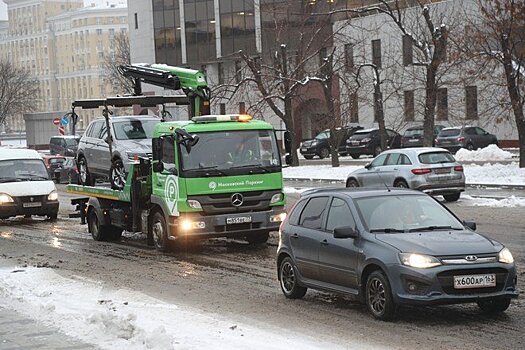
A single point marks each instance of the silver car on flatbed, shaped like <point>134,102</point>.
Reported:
<point>428,169</point>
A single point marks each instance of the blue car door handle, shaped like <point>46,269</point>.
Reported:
<point>324,242</point>
<point>295,235</point>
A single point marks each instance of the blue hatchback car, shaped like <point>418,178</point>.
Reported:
<point>388,248</point>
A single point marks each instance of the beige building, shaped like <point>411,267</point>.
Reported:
<point>63,44</point>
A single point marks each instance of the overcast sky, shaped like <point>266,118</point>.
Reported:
<point>3,7</point>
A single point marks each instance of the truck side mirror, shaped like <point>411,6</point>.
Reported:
<point>156,148</point>
<point>287,142</point>
<point>158,167</point>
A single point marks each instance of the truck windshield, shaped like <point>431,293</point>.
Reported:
<point>232,153</point>
<point>16,170</point>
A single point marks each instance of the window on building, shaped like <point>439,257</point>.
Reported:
<point>376,52</point>
<point>407,50</point>
<point>99,31</point>
<point>237,26</point>
<point>199,17</point>
<point>471,99</point>
<point>349,56</point>
<point>167,32</point>
<point>354,108</point>
<point>409,105</point>
<point>222,108</point>
<point>242,107</point>
<point>442,104</point>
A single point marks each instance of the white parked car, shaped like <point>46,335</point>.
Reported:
<point>25,186</point>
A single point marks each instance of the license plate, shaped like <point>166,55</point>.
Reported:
<point>303,149</point>
<point>355,143</point>
<point>474,281</point>
<point>32,204</point>
<point>238,220</point>
<point>442,171</point>
<point>413,140</point>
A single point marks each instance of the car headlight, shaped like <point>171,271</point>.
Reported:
<point>53,196</point>
<point>366,139</point>
<point>276,198</point>
<point>419,260</point>
<point>5,198</point>
<point>505,256</point>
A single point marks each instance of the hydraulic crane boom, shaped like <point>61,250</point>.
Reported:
<point>191,82</point>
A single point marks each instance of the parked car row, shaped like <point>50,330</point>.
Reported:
<point>357,141</point>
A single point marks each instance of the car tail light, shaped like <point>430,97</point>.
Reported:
<point>458,168</point>
<point>436,141</point>
<point>421,171</point>
<point>461,139</point>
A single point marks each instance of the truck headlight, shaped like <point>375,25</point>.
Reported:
<point>194,204</point>
<point>5,198</point>
<point>276,198</point>
<point>505,256</point>
<point>53,196</point>
<point>419,260</point>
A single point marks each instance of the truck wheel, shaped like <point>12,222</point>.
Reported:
<point>94,226</point>
<point>494,305</point>
<point>84,177</point>
<point>52,216</point>
<point>159,230</point>
<point>258,238</point>
<point>117,174</point>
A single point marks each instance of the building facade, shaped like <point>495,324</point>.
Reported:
<point>64,45</point>
<point>206,34</point>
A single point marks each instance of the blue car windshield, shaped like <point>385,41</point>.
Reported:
<point>404,213</point>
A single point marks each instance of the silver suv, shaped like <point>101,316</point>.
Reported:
<point>131,138</point>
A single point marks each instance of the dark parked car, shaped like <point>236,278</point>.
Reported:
<point>52,163</point>
<point>413,137</point>
<point>320,145</point>
<point>391,247</point>
<point>368,142</point>
<point>469,137</point>
<point>65,145</point>
<point>67,172</point>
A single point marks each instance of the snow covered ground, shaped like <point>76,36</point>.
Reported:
<point>490,174</point>
<point>510,202</point>
<point>125,319</point>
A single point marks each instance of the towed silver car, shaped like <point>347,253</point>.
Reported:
<point>428,169</point>
<point>131,138</point>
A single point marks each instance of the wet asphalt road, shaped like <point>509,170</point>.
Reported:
<point>234,279</point>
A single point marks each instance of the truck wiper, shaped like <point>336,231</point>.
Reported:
<point>257,166</point>
<point>213,167</point>
<point>433,228</point>
<point>387,230</point>
<point>34,177</point>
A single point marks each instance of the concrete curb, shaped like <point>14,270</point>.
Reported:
<point>475,185</point>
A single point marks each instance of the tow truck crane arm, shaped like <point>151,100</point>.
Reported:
<point>192,82</point>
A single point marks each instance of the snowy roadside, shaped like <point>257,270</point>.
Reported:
<point>488,174</point>
<point>125,319</point>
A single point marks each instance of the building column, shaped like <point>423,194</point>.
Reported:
<point>182,32</point>
<point>258,28</point>
<point>218,48</point>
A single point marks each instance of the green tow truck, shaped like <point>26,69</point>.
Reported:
<point>211,176</point>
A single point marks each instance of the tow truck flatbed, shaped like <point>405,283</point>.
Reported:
<point>100,192</point>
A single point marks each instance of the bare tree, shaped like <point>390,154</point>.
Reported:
<point>18,89</point>
<point>120,55</point>
<point>497,37</point>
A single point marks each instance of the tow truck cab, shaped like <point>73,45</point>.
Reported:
<point>217,176</point>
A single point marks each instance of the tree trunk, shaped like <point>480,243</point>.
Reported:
<point>290,125</point>
<point>380,115</point>
<point>513,88</point>
<point>335,137</point>
<point>430,106</point>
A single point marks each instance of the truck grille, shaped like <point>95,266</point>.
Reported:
<point>222,203</point>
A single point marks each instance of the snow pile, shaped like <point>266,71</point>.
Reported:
<point>510,202</point>
<point>489,153</point>
<point>124,319</point>
<point>495,174</point>
<point>292,190</point>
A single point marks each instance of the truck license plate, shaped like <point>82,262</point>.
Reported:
<point>32,204</point>
<point>474,281</point>
<point>238,220</point>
